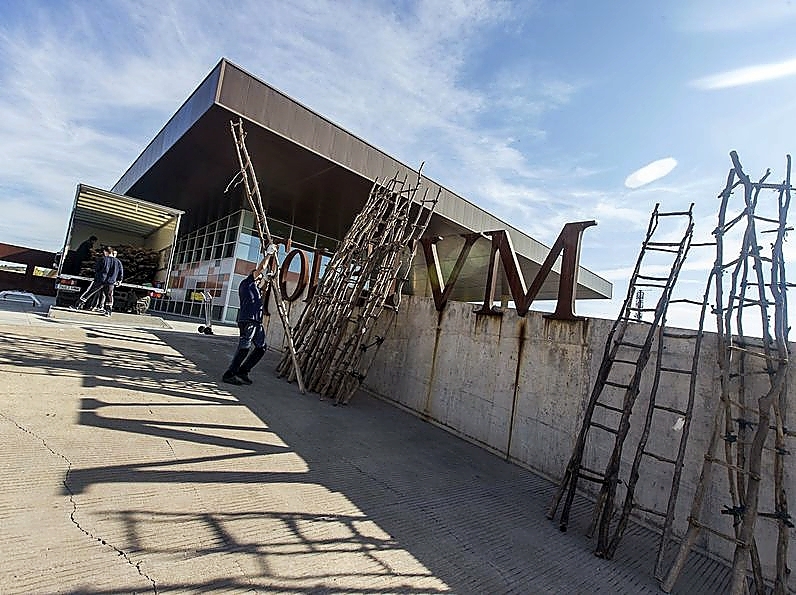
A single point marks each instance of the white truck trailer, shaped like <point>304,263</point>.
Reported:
<point>143,233</point>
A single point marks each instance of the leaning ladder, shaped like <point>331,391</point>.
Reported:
<point>334,330</point>
<point>267,246</point>
<point>658,419</point>
<point>622,357</point>
<point>742,362</point>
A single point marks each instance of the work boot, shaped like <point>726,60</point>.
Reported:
<point>244,377</point>
<point>231,379</point>
<point>235,366</point>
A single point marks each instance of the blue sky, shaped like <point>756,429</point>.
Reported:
<point>536,111</point>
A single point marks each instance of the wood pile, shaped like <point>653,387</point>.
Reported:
<point>140,264</point>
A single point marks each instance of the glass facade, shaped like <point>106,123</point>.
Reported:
<point>217,257</point>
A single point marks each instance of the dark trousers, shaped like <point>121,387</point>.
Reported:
<point>245,358</point>
<point>93,289</point>
<point>107,292</point>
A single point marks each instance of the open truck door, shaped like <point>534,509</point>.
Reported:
<point>143,233</point>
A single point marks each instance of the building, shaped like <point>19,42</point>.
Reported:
<point>314,177</point>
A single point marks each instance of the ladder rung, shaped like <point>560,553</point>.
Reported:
<point>663,243</point>
<point>670,409</point>
<point>610,407</point>
<point>659,457</point>
<point>750,342</point>
<point>664,249</point>
<point>686,301</point>
<point>726,536</point>
<point>760,355</point>
<point>602,427</point>
<point>728,265</point>
<point>749,301</point>
<point>636,321</point>
<point>594,476</point>
<point>769,220</point>
<point>629,344</point>
<point>669,335</point>
<point>674,214</point>
<point>616,384</point>
<point>730,466</point>
<point>651,511</point>
<point>625,361</point>
<point>675,370</point>
<point>652,278</point>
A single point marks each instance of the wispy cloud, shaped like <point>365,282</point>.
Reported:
<point>85,88</point>
<point>748,75</point>
<point>650,172</point>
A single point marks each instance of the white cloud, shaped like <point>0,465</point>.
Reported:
<point>748,75</point>
<point>650,172</point>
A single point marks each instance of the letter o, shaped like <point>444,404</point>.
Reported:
<point>303,279</point>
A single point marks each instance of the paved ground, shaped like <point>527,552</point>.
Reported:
<point>128,468</point>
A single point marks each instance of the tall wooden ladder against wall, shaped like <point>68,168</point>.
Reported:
<point>267,247</point>
<point>364,276</point>
<point>627,352</point>
<point>661,447</point>
<point>750,288</point>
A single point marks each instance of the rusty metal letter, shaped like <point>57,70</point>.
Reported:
<point>568,242</point>
<point>440,288</point>
<point>303,278</point>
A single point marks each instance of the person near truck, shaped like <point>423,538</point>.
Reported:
<point>250,327</point>
<point>74,260</point>
<point>106,273</point>
<point>103,294</point>
<point>113,278</point>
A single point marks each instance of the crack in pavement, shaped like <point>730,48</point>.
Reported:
<point>223,535</point>
<point>65,482</point>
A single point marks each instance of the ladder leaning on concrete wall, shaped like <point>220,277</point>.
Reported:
<point>618,381</point>
<point>672,344</point>
<point>371,265</point>
<point>754,381</point>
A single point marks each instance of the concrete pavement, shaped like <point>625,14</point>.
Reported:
<point>128,468</point>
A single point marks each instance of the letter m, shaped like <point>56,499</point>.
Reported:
<point>568,243</point>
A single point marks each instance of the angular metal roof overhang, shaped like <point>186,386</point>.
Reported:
<point>312,174</point>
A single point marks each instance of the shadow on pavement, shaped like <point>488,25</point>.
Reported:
<point>384,501</point>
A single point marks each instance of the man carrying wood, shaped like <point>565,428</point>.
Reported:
<point>250,326</point>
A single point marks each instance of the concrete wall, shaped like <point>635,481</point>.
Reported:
<point>519,387</point>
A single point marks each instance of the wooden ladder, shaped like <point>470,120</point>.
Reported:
<point>617,385</point>
<point>753,376</point>
<point>335,330</point>
<point>267,246</point>
<point>658,421</point>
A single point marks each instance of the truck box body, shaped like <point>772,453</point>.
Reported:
<point>142,232</point>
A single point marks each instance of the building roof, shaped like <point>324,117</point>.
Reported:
<point>312,173</point>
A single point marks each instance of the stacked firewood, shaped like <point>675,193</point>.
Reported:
<point>140,264</point>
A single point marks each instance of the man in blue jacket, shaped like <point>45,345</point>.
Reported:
<point>113,278</point>
<point>103,267</point>
<point>250,326</point>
